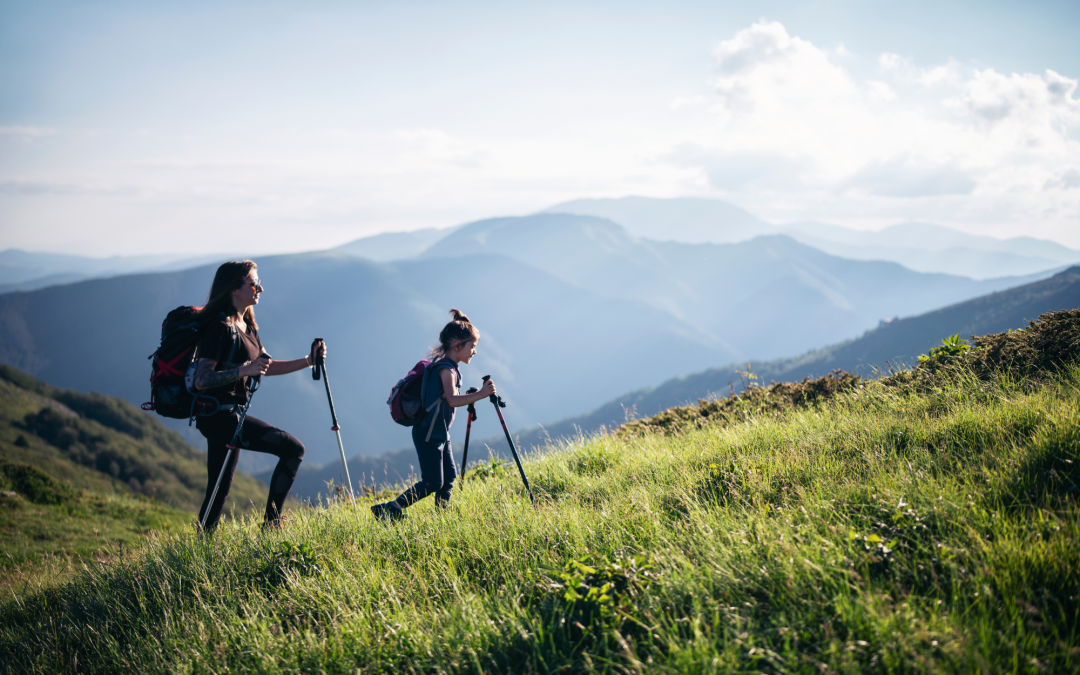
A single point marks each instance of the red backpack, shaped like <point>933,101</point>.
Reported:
<point>172,391</point>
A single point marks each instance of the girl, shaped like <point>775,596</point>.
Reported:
<point>230,352</point>
<point>457,344</point>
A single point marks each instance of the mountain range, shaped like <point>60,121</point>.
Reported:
<point>574,310</point>
<point>923,247</point>
<point>764,298</point>
<point>27,270</point>
<point>378,320</point>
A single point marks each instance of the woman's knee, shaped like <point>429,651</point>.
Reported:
<point>290,447</point>
<point>297,448</point>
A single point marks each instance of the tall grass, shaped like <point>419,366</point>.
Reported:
<point>883,530</point>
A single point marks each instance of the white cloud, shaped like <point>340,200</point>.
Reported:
<point>906,176</point>
<point>680,102</point>
<point>881,91</point>
<point>786,128</point>
<point>1066,181</point>
<point>798,135</point>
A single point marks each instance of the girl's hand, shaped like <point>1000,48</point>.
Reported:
<point>257,367</point>
<point>488,389</point>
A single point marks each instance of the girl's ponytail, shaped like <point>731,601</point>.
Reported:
<point>459,330</point>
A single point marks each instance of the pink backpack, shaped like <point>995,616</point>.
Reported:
<point>406,396</point>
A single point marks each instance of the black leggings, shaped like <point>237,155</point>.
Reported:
<point>258,436</point>
<point>437,471</point>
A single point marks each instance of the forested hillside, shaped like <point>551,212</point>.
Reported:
<point>83,472</point>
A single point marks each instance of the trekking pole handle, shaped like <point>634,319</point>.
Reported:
<point>494,398</point>
<point>472,406</point>
<point>316,359</point>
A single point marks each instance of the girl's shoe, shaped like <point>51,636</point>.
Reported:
<point>389,511</point>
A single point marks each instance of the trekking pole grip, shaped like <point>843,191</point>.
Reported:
<point>472,406</point>
<point>316,359</point>
<point>494,398</point>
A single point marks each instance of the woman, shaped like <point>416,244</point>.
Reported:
<point>230,352</point>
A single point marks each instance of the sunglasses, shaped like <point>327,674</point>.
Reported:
<point>255,286</point>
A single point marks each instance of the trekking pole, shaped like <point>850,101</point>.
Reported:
<point>252,385</point>
<point>468,428</point>
<point>319,367</point>
<point>497,400</point>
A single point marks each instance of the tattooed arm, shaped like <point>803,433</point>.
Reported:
<point>207,378</point>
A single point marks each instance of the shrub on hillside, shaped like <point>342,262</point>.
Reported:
<point>1043,347</point>
<point>755,400</point>
<point>32,484</point>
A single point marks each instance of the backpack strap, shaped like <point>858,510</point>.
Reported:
<point>235,341</point>
<point>437,405</point>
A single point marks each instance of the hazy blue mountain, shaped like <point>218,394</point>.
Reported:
<point>390,246</point>
<point>892,345</point>
<point>765,298</point>
<point>41,282</point>
<point>938,238</point>
<point>923,247</point>
<point>685,219</point>
<point>593,253</point>
<point>926,247</point>
<point>554,348</point>
<point>29,270</point>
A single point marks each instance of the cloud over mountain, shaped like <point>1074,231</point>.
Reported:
<point>345,123</point>
<point>798,130</point>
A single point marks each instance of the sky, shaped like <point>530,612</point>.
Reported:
<point>199,127</point>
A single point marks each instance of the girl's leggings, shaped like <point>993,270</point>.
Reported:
<point>258,436</point>
<point>437,471</point>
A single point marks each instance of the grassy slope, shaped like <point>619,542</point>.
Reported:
<point>926,523</point>
<point>47,525</point>
<point>116,472</point>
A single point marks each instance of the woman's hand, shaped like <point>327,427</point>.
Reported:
<point>488,389</point>
<point>257,367</point>
<point>316,353</point>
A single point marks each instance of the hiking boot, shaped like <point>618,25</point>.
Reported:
<point>389,511</point>
<point>274,524</point>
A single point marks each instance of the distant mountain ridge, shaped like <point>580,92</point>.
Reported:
<point>391,246</point>
<point>378,319</point>
<point>940,248</point>
<point>764,298</point>
<point>923,247</point>
<point>686,219</point>
<point>29,270</point>
<point>895,345</point>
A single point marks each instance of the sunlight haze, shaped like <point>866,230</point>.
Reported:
<point>128,128</point>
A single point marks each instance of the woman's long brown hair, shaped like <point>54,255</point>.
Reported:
<point>229,277</point>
